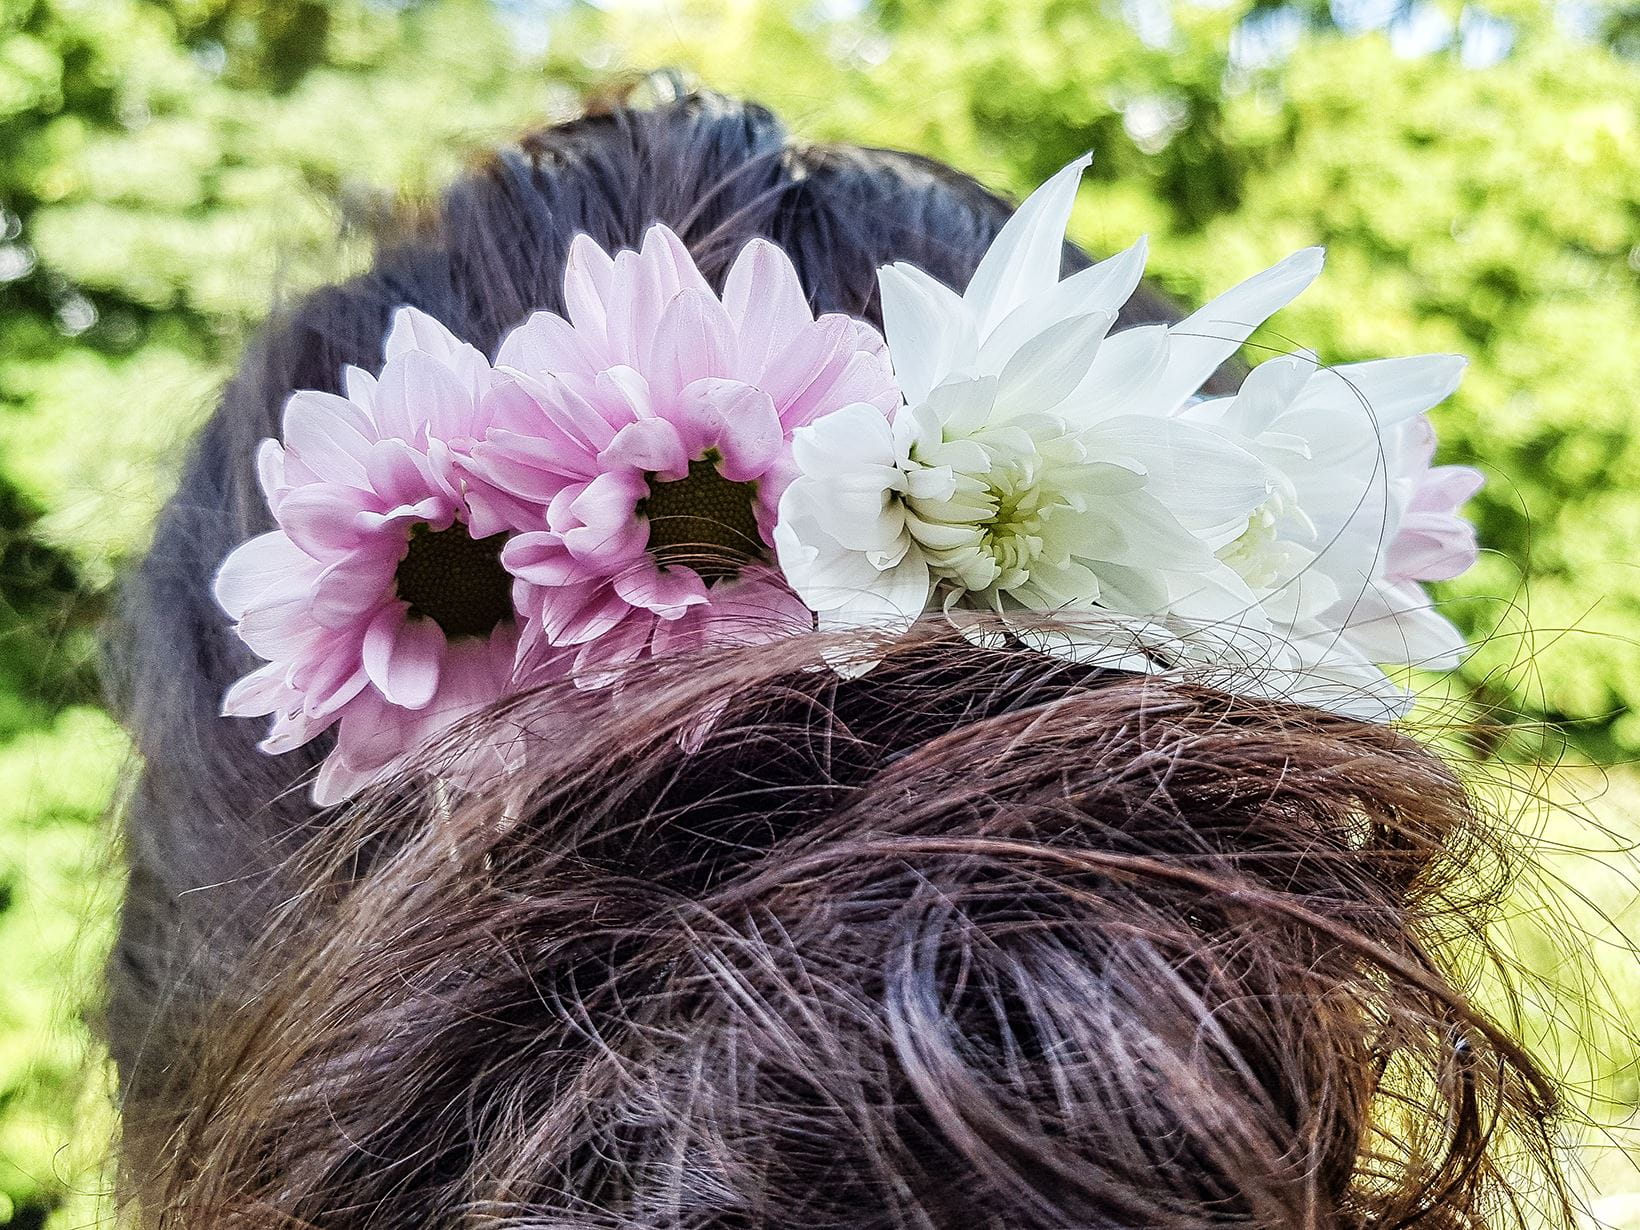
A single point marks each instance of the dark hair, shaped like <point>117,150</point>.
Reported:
<point>976,940</point>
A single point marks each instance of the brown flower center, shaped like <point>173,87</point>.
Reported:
<point>703,521</point>
<point>456,580</point>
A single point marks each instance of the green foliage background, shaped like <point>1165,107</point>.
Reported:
<point>168,168</point>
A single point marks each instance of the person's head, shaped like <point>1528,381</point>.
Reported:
<point>975,940</point>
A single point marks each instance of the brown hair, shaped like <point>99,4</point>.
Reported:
<point>975,940</point>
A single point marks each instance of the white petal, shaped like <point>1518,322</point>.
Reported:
<point>1393,390</point>
<point>1202,341</point>
<point>927,327</point>
<point>833,580</point>
<point>1399,624</point>
<point>1103,287</point>
<point>845,442</point>
<point>1156,539</point>
<point>1127,364</point>
<point>1265,395</point>
<point>1093,638</point>
<point>1203,478</point>
<point>959,407</point>
<point>1024,259</point>
<point>1047,369</point>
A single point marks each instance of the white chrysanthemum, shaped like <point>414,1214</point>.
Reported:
<point>1036,468</point>
<point>1059,478</point>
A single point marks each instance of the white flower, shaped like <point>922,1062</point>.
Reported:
<point>1059,479</point>
<point>1036,468</point>
<point>1349,447</point>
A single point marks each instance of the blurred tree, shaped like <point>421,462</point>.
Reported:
<point>1489,210</point>
<point>167,167</point>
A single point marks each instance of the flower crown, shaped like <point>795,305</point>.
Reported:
<point>665,468</point>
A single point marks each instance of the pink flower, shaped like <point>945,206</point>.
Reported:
<point>645,441</point>
<point>1389,617</point>
<point>1432,543</point>
<point>377,608</point>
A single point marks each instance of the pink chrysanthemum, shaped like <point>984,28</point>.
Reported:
<point>647,438</point>
<point>378,609</point>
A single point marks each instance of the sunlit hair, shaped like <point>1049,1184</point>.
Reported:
<point>979,940</point>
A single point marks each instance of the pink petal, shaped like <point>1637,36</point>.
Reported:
<point>598,659</point>
<point>818,354</point>
<point>1447,489</point>
<point>290,730</point>
<point>766,305</point>
<point>693,340</point>
<point>607,548</point>
<point>332,683</point>
<point>589,275</point>
<point>636,301</point>
<point>260,692</point>
<point>735,419</point>
<point>865,377</point>
<point>402,656</point>
<point>500,651</point>
<point>541,559</point>
<point>373,732</point>
<point>569,427</point>
<point>493,511</point>
<point>1431,548</point>
<point>353,585</point>
<point>589,422</point>
<point>270,567</point>
<point>668,592</point>
<point>281,631</point>
<point>508,406</point>
<point>610,528</point>
<point>651,445</point>
<point>435,511</point>
<point>323,520</point>
<point>622,394</point>
<point>399,474</point>
<point>270,472</point>
<point>337,781</point>
<point>513,464</point>
<point>759,607</point>
<point>576,614</point>
<point>414,331</point>
<point>467,683</point>
<point>360,388</point>
<point>418,397</point>
<point>675,267</point>
<point>559,516</point>
<point>331,436</point>
<point>678,636</point>
<point>546,342</point>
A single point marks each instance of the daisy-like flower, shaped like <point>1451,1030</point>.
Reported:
<point>1355,520</point>
<point>378,607</point>
<point>643,444</point>
<point>1038,468</point>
